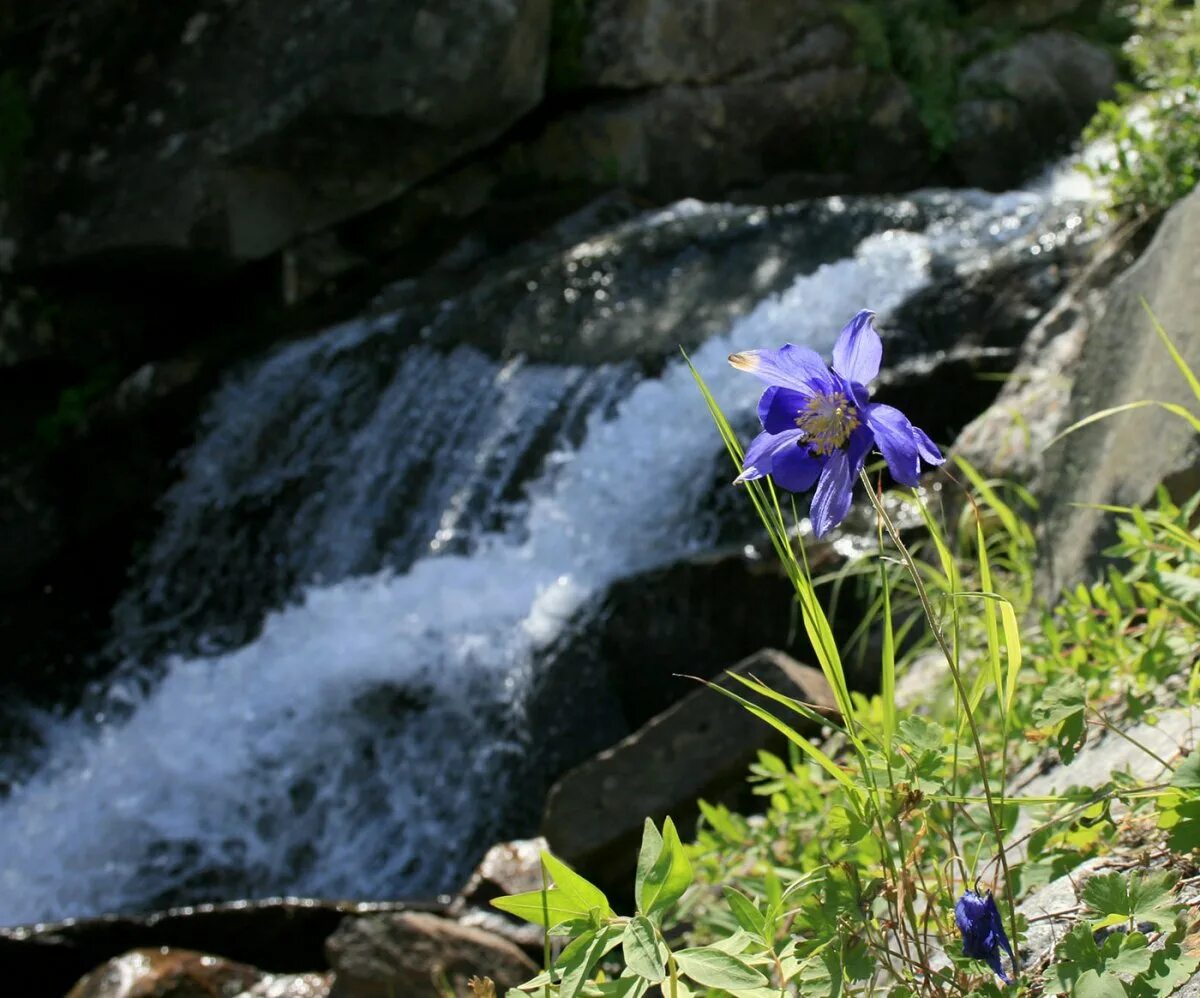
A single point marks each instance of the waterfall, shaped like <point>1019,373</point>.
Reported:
<point>443,517</point>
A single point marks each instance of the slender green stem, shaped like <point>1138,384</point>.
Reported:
<point>923,596</point>
<point>673,969</point>
<point>1129,738</point>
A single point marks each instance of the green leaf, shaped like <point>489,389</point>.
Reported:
<point>648,854</point>
<point>715,969</point>
<point>1144,898</point>
<point>623,987</point>
<point>644,952</point>
<point>1092,985</point>
<point>1187,773</point>
<point>578,959</point>
<point>545,908</point>
<point>575,888</point>
<point>670,875</point>
<point>746,912</point>
<point>1170,966</point>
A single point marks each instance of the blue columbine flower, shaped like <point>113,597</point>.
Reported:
<point>819,424</point>
<point>982,931</point>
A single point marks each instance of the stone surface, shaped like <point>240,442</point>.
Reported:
<point>168,973</point>
<point>233,128</point>
<point>1023,103</point>
<point>634,44</point>
<point>1122,459</point>
<point>699,748</point>
<point>419,956</point>
<point>284,936</point>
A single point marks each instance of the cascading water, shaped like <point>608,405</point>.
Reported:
<point>369,738</point>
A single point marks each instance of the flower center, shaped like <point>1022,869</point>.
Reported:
<point>827,421</point>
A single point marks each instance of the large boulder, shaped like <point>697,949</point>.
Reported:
<point>698,748</point>
<point>1024,103</point>
<point>1121,460</point>
<point>232,128</point>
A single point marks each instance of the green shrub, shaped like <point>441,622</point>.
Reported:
<point>1150,135</point>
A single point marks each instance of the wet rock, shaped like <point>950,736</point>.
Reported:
<point>1023,103</point>
<point>173,973</point>
<point>419,956</point>
<point>231,130</point>
<point>1123,361</point>
<point>283,936</point>
<point>698,748</point>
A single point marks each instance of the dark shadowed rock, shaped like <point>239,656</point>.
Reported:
<point>174,973</point>
<point>1024,103</point>
<point>699,748</point>
<point>419,956</point>
<point>1121,460</point>
<point>233,128</point>
<point>281,936</point>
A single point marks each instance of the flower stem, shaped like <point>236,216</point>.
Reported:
<point>960,686</point>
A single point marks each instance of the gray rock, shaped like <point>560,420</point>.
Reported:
<point>699,748</point>
<point>634,44</point>
<point>1021,103</point>
<point>144,973</point>
<point>1121,460</point>
<point>418,956</point>
<point>233,128</point>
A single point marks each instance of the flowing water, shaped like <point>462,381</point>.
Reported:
<point>373,546</point>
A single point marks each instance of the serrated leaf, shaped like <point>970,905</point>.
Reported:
<point>576,889</point>
<point>1187,773</point>
<point>746,912</point>
<point>648,854</point>
<point>1170,966</point>
<point>545,908</point>
<point>1092,985</point>
<point>1143,898</point>
<point>715,969</point>
<point>644,952</point>
<point>670,875</point>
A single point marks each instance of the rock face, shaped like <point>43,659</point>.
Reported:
<point>419,956</point>
<point>233,128</point>
<point>1122,459</point>
<point>700,747</point>
<point>167,973</point>
<point>1025,101</point>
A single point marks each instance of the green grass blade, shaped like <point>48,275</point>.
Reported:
<point>1180,363</point>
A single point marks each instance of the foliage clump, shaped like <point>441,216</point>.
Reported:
<point>1149,136</point>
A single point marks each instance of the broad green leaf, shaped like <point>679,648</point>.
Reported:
<point>644,952</point>
<point>670,876</point>
<point>1111,900</point>
<point>745,911</point>
<point>577,960</point>
<point>1092,985</point>
<point>648,854</point>
<point>1187,773</point>
<point>544,908</point>
<point>1170,966</point>
<point>715,969</point>
<point>739,942</point>
<point>623,987</point>
<point>575,888</point>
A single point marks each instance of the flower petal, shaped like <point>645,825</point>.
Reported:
<point>796,468</point>
<point>759,459</point>
<point>858,350</point>
<point>778,407</point>
<point>798,368</point>
<point>927,448</point>
<point>831,502</point>
<point>895,436</point>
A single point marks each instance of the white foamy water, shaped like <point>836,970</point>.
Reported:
<point>365,743</point>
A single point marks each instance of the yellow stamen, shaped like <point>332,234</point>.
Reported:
<point>827,421</point>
